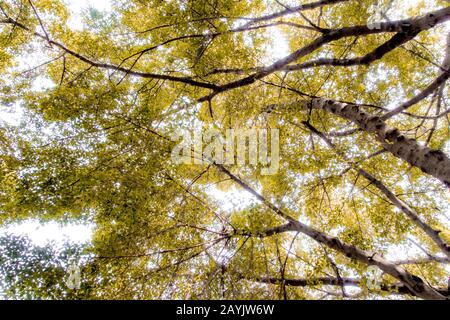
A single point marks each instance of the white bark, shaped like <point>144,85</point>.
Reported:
<point>431,161</point>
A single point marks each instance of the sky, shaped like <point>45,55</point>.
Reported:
<point>233,199</point>
<point>76,6</point>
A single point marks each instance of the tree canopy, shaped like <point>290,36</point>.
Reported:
<point>361,104</point>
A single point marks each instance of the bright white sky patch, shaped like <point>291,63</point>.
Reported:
<point>39,233</point>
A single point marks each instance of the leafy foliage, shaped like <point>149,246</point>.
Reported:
<point>93,145</point>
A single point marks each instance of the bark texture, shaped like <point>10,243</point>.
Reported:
<point>430,161</point>
<point>415,284</point>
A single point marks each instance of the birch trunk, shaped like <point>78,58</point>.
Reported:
<point>430,161</point>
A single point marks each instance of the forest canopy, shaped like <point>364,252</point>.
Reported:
<point>357,92</point>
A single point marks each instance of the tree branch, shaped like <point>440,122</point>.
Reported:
<point>411,25</point>
<point>430,161</point>
<point>408,211</point>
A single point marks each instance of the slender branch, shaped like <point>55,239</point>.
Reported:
<point>412,282</point>
<point>267,232</point>
<point>291,10</point>
<point>396,41</point>
<point>411,25</point>
<point>40,21</point>
<point>438,82</point>
<point>334,281</point>
<point>426,260</point>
